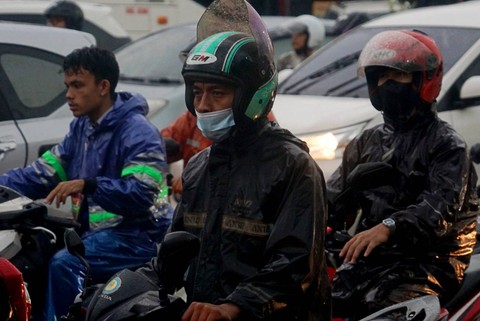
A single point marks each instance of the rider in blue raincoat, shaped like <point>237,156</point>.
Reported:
<point>112,164</point>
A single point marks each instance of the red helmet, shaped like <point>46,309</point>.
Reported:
<point>410,51</point>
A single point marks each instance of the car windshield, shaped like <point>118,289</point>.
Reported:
<point>155,58</point>
<point>332,71</point>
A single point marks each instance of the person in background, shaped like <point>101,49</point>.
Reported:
<point>112,164</point>
<point>183,140</point>
<point>64,14</point>
<point>417,230</point>
<point>308,33</point>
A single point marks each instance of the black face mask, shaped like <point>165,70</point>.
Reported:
<point>398,102</point>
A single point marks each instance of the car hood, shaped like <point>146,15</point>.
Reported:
<point>303,114</point>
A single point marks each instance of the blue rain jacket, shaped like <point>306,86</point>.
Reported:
<point>128,210</point>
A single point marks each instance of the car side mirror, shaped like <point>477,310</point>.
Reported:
<point>74,243</point>
<point>470,88</point>
<point>75,246</point>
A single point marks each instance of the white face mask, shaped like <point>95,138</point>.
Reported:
<point>216,125</point>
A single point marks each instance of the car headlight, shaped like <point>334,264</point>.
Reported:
<point>330,145</point>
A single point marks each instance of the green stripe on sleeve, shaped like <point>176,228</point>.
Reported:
<point>143,169</point>
<point>100,217</point>
<point>57,166</point>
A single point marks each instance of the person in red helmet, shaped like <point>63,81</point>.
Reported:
<point>417,229</point>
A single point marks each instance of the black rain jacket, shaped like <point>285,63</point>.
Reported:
<point>430,193</point>
<point>257,202</point>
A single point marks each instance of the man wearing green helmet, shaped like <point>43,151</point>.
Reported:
<point>255,198</point>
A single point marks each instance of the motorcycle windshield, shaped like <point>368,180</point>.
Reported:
<point>236,15</point>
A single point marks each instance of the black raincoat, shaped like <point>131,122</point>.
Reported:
<point>257,201</point>
<point>430,193</point>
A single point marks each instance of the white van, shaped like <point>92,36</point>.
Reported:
<point>140,17</point>
<point>99,20</point>
<point>324,102</point>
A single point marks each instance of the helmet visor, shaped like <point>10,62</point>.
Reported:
<point>398,50</point>
<point>240,16</point>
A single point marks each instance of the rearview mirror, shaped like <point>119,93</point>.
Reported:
<point>174,255</point>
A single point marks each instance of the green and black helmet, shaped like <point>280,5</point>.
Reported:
<point>242,58</point>
<point>232,57</point>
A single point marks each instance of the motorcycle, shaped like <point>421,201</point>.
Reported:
<point>465,305</point>
<point>29,237</point>
<point>132,295</point>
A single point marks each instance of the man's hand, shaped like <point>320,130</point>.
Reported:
<point>63,190</point>
<point>364,242</point>
<point>198,311</point>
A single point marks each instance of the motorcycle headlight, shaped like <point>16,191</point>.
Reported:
<point>331,144</point>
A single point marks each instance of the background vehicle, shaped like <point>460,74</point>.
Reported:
<point>33,110</point>
<point>372,7</point>
<point>139,18</point>
<point>326,104</point>
<point>99,20</point>
<point>152,68</point>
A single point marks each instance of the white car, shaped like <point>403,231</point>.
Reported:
<point>324,102</point>
<point>152,67</point>
<point>33,110</point>
<point>98,19</point>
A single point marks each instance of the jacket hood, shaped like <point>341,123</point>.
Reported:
<point>126,105</point>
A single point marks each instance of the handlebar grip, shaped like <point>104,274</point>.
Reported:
<point>62,221</point>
